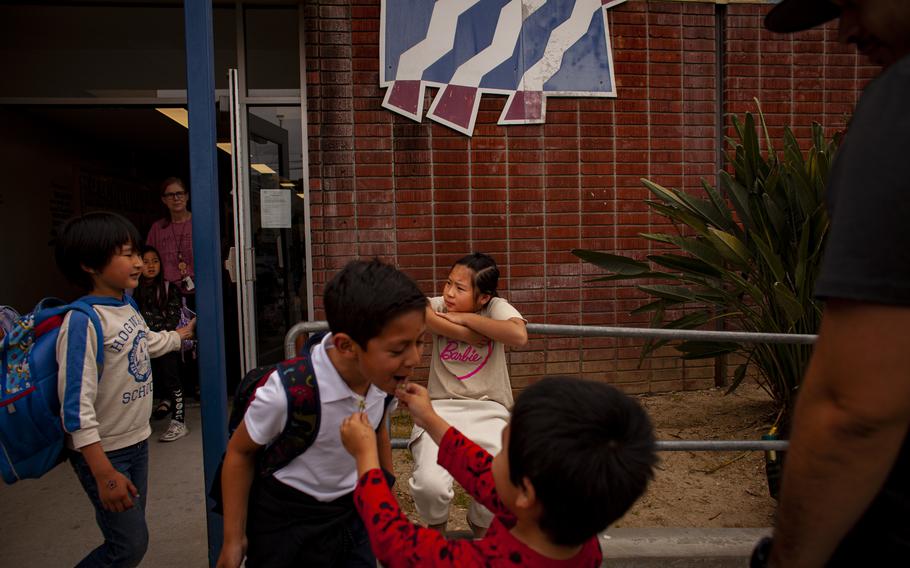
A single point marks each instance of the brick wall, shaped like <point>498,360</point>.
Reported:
<point>799,78</point>
<point>421,195</point>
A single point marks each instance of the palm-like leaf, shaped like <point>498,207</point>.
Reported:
<point>749,253</point>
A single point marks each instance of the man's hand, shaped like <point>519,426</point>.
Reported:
<point>358,437</point>
<point>187,331</point>
<point>114,490</point>
<point>232,554</point>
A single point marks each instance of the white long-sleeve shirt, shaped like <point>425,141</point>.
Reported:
<point>115,408</point>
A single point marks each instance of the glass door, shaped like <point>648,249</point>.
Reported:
<point>276,225</point>
<point>268,258</point>
<point>239,261</point>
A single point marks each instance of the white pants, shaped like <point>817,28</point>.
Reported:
<point>431,486</point>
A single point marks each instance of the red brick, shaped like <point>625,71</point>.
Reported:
<point>426,195</point>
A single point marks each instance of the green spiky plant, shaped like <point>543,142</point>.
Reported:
<point>748,253</point>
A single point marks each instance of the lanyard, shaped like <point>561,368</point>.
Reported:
<point>178,241</point>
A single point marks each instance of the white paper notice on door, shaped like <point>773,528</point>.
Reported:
<point>275,208</point>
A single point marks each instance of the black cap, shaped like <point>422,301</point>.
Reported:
<point>798,15</point>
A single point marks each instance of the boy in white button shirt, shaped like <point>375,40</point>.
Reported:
<point>303,514</point>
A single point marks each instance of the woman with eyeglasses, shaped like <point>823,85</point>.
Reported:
<point>172,236</point>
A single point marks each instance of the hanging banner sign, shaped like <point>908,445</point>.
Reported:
<point>526,49</point>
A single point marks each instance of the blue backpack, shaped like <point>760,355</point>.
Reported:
<point>8,317</point>
<point>31,430</point>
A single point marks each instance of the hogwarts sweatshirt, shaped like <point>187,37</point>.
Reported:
<point>114,408</point>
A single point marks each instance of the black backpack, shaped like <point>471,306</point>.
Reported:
<point>303,414</point>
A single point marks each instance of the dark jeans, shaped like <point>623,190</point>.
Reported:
<point>287,528</point>
<point>125,534</point>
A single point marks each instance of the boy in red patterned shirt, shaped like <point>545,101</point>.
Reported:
<point>575,457</point>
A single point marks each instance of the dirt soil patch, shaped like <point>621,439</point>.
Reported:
<point>690,489</point>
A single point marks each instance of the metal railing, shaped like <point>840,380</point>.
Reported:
<point>290,349</point>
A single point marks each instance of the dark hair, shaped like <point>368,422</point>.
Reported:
<point>365,296</point>
<point>486,273</point>
<point>154,293</point>
<point>170,181</point>
<point>587,448</point>
<point>90,241</point>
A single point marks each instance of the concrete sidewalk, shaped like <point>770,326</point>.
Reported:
<point>49,522</point>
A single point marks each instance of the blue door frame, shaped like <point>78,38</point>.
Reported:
<point>206,247</point>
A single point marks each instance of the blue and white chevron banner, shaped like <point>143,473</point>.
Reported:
<point>526,49</point>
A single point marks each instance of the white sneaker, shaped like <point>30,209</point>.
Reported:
<point>175,431</point>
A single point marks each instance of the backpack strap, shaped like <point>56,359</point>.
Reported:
<point>314,340</point>
<point>49,314</point>
<point>245,392</point>
<point>304,411</point>
<point>317,338</point>
<point>303,415</point>
<point>301,427</point>
<point>92,315</point>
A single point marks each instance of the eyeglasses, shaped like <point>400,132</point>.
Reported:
<point>175,195</point>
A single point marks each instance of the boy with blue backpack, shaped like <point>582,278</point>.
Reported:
<point>287,482</point>
<point>106,397</point>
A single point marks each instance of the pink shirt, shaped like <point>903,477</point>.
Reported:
<point>173,241</point>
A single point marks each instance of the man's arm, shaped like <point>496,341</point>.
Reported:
<point>236,479</point>
<point>851,417</point>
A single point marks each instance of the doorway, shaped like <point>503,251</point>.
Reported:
<point>75,159</point>
<point>270,230</point>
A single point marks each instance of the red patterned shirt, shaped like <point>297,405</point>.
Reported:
<point>397,541</point>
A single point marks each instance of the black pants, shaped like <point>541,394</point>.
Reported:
<point>189,364</point>
<point>287,528</point>
<point>881,538</point>
<point>166,374</point>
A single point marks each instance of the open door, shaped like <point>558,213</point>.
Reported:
<point>268,259</point>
